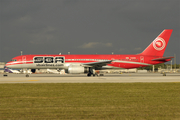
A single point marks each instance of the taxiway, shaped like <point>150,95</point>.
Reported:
<point>82,78</point>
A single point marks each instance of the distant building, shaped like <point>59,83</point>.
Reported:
<point>2,64</point>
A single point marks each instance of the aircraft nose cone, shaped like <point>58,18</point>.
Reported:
<point>8,64</point>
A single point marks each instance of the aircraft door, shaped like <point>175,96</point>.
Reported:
<point>24,59</point>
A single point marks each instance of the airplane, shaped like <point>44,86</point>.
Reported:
<point>7,70</point>
<point>76,64</point>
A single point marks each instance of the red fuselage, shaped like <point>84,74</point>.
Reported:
<point>118,61</point>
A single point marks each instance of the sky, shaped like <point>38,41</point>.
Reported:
<point>86,26</point>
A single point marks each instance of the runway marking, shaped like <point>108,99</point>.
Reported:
<point>33,80</point>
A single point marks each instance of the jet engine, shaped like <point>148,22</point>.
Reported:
<point>76,69</point>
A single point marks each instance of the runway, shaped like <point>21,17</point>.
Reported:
<point>82,78</point>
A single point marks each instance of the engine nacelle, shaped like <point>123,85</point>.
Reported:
<point>77,69</point>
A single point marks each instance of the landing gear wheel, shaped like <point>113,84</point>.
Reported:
<point>5,75</point>
<point>89,74</point>
<point>27,75</point>
<point>101,74</point>
<point>164,74</point>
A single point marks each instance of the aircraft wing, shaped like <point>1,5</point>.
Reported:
<point>162,59</point>
<point>97,64</point>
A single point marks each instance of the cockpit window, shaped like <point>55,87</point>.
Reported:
<point>13,60</point>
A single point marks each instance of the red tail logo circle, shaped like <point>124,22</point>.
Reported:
<point>159,43</point>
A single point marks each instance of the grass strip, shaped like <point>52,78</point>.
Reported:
<point>90,101</point>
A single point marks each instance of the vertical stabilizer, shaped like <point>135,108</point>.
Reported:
<point>158,46</point>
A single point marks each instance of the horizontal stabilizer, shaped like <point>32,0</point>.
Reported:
<point>162,59</point>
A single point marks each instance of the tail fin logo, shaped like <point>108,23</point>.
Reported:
<point>159,43</point>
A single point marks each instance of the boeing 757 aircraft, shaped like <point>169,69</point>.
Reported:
<point>75,64</point>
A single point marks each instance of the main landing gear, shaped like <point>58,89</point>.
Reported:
<point>92,72</point>
<point>89,74</point>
